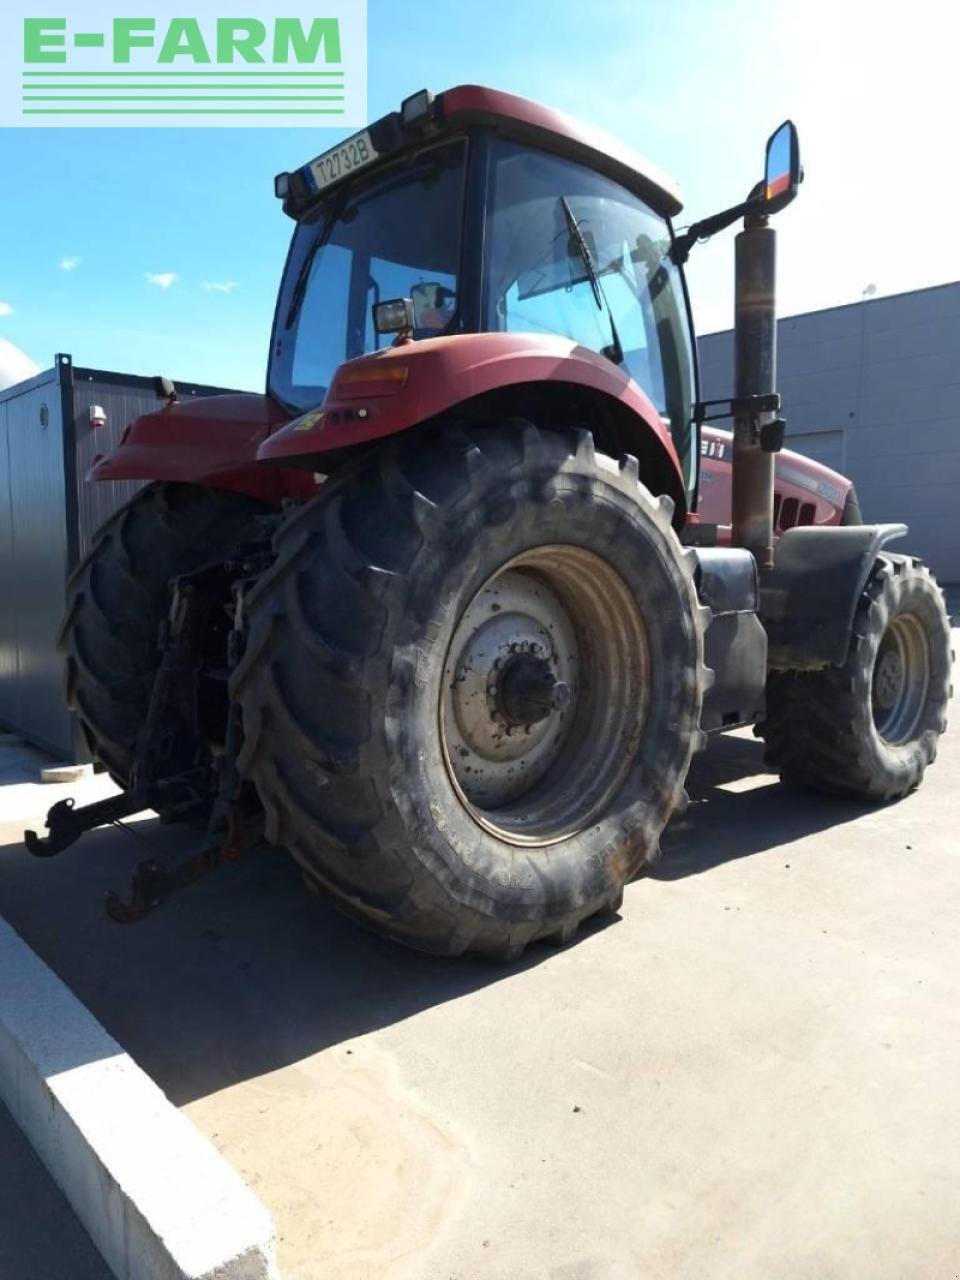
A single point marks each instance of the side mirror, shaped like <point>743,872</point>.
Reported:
<point>433,306</point>
<point>165,390</point>
<point>395,316</point>
<point>782,173</point>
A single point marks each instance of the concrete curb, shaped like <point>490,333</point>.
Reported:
<point>155,1196</point>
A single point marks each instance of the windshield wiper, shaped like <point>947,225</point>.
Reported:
<point>615,351</point>
<point>300,287</point>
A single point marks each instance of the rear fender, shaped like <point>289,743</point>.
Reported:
<point>809,598</point>
<point>212,441</point>
<point>376,396</point>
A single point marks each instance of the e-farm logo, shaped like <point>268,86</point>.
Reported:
<point>91,64</point>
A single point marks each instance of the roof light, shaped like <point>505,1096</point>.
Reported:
<point>281,186</point>
<point>416,107</point>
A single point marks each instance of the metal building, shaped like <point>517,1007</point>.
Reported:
<point>871,389</point>
<point>51,427</point>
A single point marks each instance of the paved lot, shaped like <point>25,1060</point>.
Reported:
<point>751,1073</point>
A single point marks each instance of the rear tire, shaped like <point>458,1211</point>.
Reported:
<point>382,732</point>
<point>869,729</point>
<point>118,596</point>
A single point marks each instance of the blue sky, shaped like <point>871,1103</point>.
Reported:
<point>87,215</point>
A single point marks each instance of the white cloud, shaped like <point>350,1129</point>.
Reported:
<point>162,279</point>
<point>15,365</point>
<point>70,264</point>
<point>6,309</point>
<point>221,286</point>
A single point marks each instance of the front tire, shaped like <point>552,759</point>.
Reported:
<point>472,686</point>
<point>870,728</point>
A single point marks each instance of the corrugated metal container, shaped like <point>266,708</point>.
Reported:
<point>50,430</point>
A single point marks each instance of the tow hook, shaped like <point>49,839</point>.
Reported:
<point>153,882</point>
<point>66,823</point>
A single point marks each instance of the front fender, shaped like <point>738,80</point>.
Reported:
<point>379,395</point>
<point>809,598</point>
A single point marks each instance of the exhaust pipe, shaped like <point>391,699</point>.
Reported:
<point>755,374</point>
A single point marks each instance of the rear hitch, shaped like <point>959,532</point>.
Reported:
<point>231,832</point>
<point>153,882</point>
<point>164,777</point>
<point>66,823</point>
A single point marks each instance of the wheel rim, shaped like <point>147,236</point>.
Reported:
<point>545,691</point>
<point>901,677</point>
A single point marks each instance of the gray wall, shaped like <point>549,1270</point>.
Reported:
<point>873,390</point>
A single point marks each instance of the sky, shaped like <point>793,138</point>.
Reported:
<point>160,251</point>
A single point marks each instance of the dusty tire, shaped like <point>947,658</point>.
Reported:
<point>869,729</point>
<point>351,664</point>
<point>118,596</point>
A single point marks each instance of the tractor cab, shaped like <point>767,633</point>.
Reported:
<point>478,213</point>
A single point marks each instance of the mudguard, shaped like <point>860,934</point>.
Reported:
<point>212,440</point>
<point>808,599</point>
<point>379,395</point>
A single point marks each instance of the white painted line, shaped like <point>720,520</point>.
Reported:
<point>155,1196</point>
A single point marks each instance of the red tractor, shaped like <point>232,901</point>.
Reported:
<point>438,613</point>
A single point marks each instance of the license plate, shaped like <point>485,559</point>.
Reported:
<point>338,162</point>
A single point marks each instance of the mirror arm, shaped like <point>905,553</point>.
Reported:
<point>707,227</point>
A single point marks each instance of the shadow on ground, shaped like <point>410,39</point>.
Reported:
<point>248,972</point>
<point>53,1246</point>
<point>739,808</point>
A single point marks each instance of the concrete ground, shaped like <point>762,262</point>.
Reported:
<point>752,1072</point>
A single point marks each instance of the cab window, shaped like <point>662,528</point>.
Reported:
<point>396,234</point>
<point>537,280</point>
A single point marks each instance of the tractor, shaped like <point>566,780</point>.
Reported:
<point>439,613</point>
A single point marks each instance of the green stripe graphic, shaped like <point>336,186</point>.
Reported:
<point>255,86</point>
<point>179,111</point>
<point>183,73</point>
<point>187,97</point>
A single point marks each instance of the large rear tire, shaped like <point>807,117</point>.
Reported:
<point>118,596</point>
<point>869,729</point>
<point>472,686</point>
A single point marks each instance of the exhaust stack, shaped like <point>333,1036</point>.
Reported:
<point>755,375</point>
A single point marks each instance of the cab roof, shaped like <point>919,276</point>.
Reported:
<point>423,115</point>
<point>471,103</point>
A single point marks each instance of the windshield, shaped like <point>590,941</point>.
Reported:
<point>395,237</point>
<point>573,253</point>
